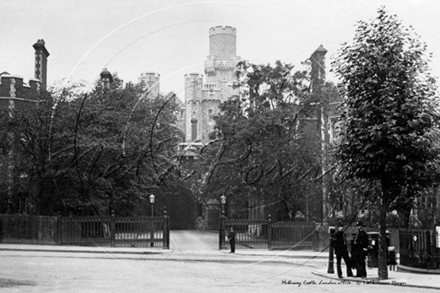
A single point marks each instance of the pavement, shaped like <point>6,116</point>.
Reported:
<point>204,247</point>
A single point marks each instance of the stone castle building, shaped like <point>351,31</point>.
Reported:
<point>202,99</point>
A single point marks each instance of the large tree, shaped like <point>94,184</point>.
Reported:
<point>89,153</point>
<point>389,114</point>
<point>263,149</point>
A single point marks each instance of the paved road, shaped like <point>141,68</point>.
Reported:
<point>193,265</point>
<point>193,241</point>
<point>33,272</point>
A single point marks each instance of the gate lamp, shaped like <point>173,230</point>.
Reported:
<point>152,197</point>
<point>223,201</point>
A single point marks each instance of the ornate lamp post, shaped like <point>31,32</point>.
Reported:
<point>222,232</point>
<point>152,197</point>
<point>223,201</point>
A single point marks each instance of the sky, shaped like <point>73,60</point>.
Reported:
<point>171,37</point>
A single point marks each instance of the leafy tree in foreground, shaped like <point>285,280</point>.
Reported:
<point>389,114</point>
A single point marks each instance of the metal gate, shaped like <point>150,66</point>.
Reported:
<point>114,231</point>
<point>265,234</point>
<point>419,248</point>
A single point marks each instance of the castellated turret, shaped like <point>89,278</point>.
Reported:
<point>193,86</point>
<point>152,83</point>
<point>222,42</point>
<point>222,59</point>
<point>202,98</point>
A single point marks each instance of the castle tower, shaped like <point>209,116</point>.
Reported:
<point>222,60</point>
<point>222,42</point>
<point>41,55</point>
<point>203,99</point>
<point>152,83</point>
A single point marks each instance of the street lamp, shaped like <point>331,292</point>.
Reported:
<point>223,201</point>
<point>152,197</point>
<point>222,227</point>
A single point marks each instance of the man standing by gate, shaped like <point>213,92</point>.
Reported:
<point>340,246</point>
<point>231,238</point>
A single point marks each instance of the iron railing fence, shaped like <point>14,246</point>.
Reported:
<point>292,235</point>
<point>115,231</point>
<point>420,249</point>
<point>265,234</point>
<point>249,233</point>
<point>28,229</point>
<point>86,231</point>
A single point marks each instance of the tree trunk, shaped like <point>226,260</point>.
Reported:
<point>383,249</point>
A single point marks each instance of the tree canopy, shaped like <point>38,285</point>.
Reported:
<point>263,148</point>
<point>389,113</point>
<point>88,154</point>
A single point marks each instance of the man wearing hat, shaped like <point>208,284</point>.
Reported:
<point>359,250</point>
<point>340,247</point>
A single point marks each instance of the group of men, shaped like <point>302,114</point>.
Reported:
<point>359,251</point>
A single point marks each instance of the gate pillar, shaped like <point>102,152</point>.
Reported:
<point>222,232</point>
<point>112,229</point>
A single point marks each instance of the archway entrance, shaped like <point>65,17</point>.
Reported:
<point>180,206</point>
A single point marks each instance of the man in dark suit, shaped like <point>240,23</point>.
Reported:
<point>360,250</point>
<point>231,238</point>
<point>340,248</point>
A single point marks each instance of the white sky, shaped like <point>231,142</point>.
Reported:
<point>171,36</point>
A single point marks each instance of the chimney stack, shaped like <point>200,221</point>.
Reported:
<point>41,55</point>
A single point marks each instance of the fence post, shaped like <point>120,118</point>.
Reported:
<point>1,227</point>
<point>112,229</point>
<point>59,229</point>
<point>221,242</point>
<point>269,232</point>
<point>166,230</point>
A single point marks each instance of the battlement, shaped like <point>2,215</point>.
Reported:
<point>193,76</point>
<point>217,30</point>
<point>222,42</point>
<point>14,85</point>
<point>151,74</point>
<point>213,63</point>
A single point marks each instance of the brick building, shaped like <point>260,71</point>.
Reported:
<point>15,92</point>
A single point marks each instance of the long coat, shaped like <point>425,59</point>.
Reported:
<point>360,246</point>
<point>340,243</point>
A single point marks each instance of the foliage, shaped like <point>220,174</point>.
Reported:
<point>92,153</point>
<point>263,148</point>
<point>389,115</point>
